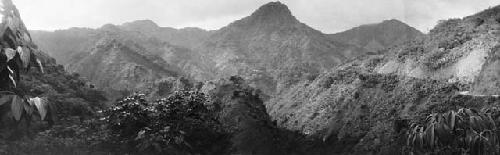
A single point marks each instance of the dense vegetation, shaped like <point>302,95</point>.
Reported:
<point>350,109</point>
<point>465,131</point>
<point>181,123</point>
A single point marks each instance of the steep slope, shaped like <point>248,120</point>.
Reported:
<point>120,66</point>
<point>243,114</point>
<point>456,50</point>
<point>62,44</point>
<point>270,48</point>
<point>69,95</point>
<point>375,37</point>
<point>114,58</point>
<point>273,44</point>
<point>365,106</point>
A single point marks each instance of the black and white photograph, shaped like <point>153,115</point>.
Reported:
<point>250,77</point>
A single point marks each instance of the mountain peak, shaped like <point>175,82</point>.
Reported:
<point>273,12</point>
<point>141,24</point>
<point>110,28</point>
<point>274,6</point>
<point>392,21</point>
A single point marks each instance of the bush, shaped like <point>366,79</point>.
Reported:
<point>465,131</point>
<point>181,123</point>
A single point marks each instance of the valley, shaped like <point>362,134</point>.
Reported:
<point>264,84</point>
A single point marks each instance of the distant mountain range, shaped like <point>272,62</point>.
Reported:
<point>270,48</point>
<point>349,89</point>
<point>186,37</point>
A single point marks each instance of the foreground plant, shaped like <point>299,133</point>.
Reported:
<point>466,131</point>
<point>175,125</point>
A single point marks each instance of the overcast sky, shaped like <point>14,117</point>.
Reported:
<point>328,16</point>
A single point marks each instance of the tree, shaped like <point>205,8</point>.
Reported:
<point>181,123</point>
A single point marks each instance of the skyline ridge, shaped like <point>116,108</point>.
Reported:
<point>325,16</point>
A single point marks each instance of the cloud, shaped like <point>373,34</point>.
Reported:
<point>329,16</point>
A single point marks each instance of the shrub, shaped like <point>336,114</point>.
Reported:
<point>465,131</point>
<point>175,125</point>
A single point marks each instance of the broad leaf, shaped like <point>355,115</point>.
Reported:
<point>11,72</point>
<point>25,55</point>
<point>10,53</point>
<point>452,119</point>
<point>5,99</point>
<point>17,107</point>
<point>28,108</point>
<point>40,65</point>
<point>3,61</point>
<point>41,105</point>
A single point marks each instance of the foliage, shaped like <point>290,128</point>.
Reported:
<point>296,72</point>
<point>69,94</point>
<point>22,106</point>
<point>451,33</point>
<point>466,131</point>
<point>178,124</point>
<point>69,137</point>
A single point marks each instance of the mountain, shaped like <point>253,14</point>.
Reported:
<point>456,50</point>
<point>62,44</point>
<point>366,105</point>
<point>270,48</point>
<point>271,44</point>
<point>117,65</point>
<point>375,37</point>
<point>67,94</point>
<point>117,59</point>
<point>185,37</point>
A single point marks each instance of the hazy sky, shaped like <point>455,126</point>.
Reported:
<point>329,16</point>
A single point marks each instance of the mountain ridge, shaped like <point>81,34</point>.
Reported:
<point>270,47</point>
<point>378,36</point>
<point>355,107</point>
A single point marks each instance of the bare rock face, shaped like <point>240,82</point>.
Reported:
<point>488,81</point>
